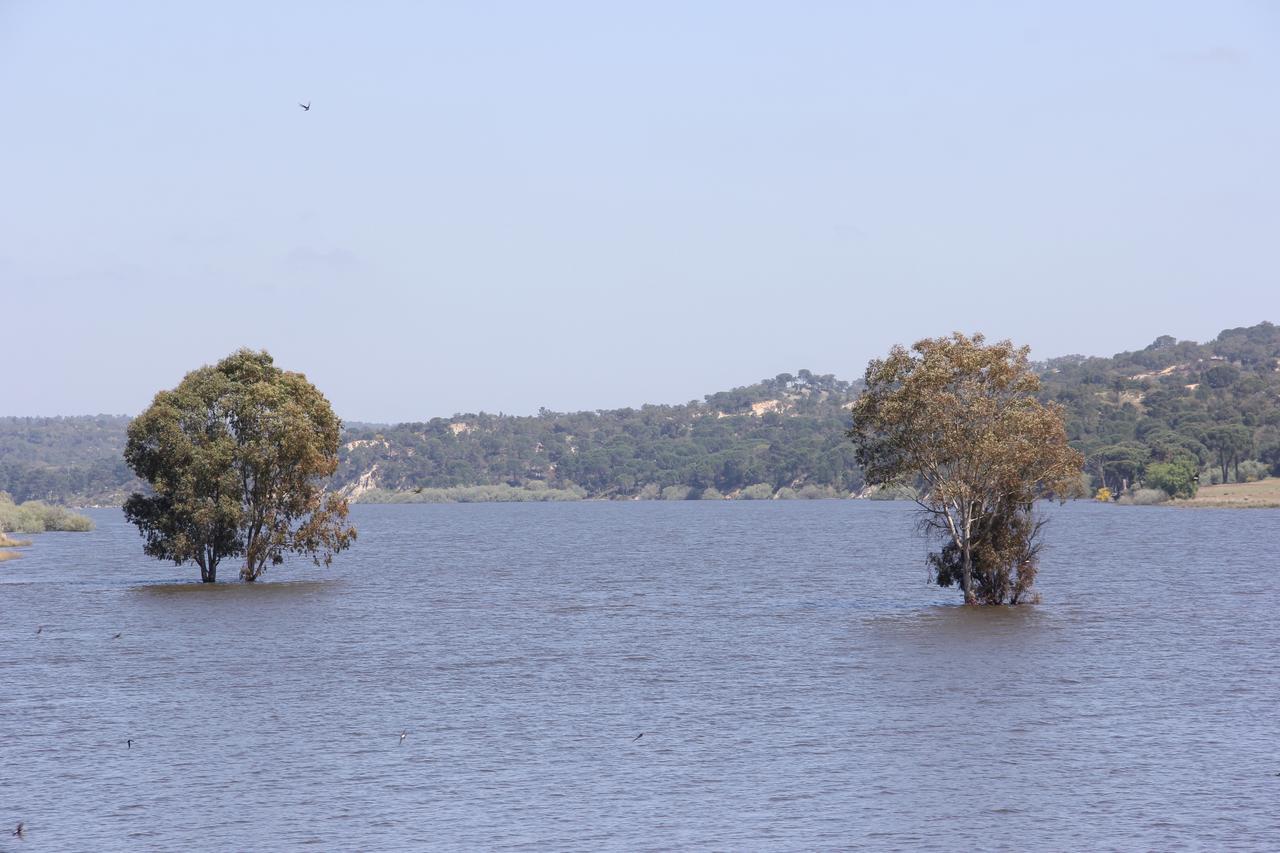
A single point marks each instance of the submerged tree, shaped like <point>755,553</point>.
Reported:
<point>959,421</point>
<point>236,457</point>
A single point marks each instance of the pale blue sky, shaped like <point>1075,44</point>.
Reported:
<point>501,206</point>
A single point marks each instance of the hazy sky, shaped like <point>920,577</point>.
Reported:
<point>502,206</point>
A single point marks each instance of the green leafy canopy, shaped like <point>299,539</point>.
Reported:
<point>236,457</point>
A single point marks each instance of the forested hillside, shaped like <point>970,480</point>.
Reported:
<point>785,432</point>
<point>1166,416</point>
<point>1175,411</point>
<point>65,460</point>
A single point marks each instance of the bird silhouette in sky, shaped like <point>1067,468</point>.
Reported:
<point>306,108</point>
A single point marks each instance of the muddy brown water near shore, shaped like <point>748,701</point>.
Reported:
<point>798,683</point>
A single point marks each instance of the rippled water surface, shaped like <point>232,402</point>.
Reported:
<point>798,683</point>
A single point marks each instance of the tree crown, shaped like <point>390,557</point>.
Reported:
<point>236,457</point>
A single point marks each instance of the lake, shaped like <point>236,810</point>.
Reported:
<point>798,683</point>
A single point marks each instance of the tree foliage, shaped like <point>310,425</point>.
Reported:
<point>237,457</point>
<point>1177,479</point>
<point>959,420</point>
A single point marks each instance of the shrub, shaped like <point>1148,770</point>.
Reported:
<point>676,493</point>
<point>1177,479</point>
<point>813,492</point>
<point>758,492</point>
<point>711,493</point>
<point>786,493</point>
<point>38,517</point>
<point>1252,469</point>
<point>1081,488</point>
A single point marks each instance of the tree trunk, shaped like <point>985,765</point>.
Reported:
<point>966,575</point>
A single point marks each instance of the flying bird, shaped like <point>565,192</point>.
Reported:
<point>129,743</point>
<point>117,636</point>
<point>18,831</point>
<point>39,628</point>
<point>404,734</point>
<point>637,737</point>
<point>306,108</point>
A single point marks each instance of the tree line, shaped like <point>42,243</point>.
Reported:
<point>1171,416</point>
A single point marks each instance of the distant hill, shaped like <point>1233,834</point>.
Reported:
<point>787,432</point>
<point>1215,405</point>
<point>1212,407</point>
<point>65,460</point>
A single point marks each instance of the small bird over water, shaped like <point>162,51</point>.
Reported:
<point>18,831</point>
<point>39,628</point>
<point>129,743</point>
<point>117,636</point>
<point>637,737</point>
<point>306,108</point>
<point>403,734</point>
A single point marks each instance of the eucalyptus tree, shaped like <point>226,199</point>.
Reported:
<point>237,457</point>
<point>958,421</point>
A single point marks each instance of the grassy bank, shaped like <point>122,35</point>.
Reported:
<point>1259,494</point>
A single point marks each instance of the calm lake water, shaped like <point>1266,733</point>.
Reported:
<point>799,685</point>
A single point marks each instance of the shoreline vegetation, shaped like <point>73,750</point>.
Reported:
<point>37,517</point>
<point>34,517</point>
<point>540,492</point>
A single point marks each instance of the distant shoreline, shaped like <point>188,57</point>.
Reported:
<point>1262,494</point>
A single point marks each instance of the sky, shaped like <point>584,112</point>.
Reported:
<point>503,206</point>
